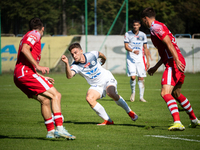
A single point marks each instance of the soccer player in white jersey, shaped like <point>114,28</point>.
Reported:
<point>135,41</point>
<point>101,80</point>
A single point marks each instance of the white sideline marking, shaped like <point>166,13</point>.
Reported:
<point>173,137</point>
<point>124,89</point>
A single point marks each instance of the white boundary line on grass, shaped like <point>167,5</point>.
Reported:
<point>124,89</point>
<point>174,137</point>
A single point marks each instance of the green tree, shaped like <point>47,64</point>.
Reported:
<point>16,14</point>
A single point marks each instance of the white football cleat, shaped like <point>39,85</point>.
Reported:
<point>142,100</point>
<point>132,98</point>
<point>63,133</point>
<point>50,134</point>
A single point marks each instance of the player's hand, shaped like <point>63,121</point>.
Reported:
<point>136,52</point>
<point>151,71</point>
<point>51,80</point>
<point>43,69</point>
<point>64,59</point>
<point>179,65</point>
<point>148,65</point>
<point>102,61</point>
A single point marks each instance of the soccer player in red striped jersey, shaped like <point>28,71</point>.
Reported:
<point>173,76</point>
<point>37,86</point>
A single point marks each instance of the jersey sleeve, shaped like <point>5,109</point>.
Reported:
<point>74,68</point>
<point>32,38</point>
<point>95,53</point>
<point>126,40</point>
<point>159,31</point>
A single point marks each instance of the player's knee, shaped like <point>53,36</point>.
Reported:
<point>57,96</point>
<point>141,78</point>
<point>91,101</point>
<point>113,95</point>
<point>175,94</point>
<point>45,101</point>
<point>133,78</point>
<point>89,98</point>
<point>162,94</point>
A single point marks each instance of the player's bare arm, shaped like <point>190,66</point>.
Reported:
<point>171,48</point>
<point>152,70</point>
<point>131,50</point>
<point>146,52</point>
<point>103,58</point>
<point>26,50</point>
<point>69,73</point>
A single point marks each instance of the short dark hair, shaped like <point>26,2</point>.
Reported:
<point>148,12</point>
<point>136,21</point>
<point>74,45</point>
<point>35,23</point>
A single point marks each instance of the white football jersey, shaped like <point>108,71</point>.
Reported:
<point>136,42</point>
<point>91,70</point>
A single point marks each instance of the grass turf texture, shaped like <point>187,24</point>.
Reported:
<point>22,126</point>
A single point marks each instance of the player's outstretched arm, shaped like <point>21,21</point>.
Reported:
<point>171,48</point>
<point>69,73</point>
<point>152,70</point>
<point>26,50</point>
<point>103,58</point>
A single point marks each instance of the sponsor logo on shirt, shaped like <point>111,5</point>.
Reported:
<point>32,39</point>
<point>87,65</point>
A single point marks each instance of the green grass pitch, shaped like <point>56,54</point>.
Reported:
<point>22,126</point>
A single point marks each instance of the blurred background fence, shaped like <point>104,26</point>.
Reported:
<point>54,47</point>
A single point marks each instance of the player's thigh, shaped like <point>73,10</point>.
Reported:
<point>166,89</point>
<point>42,99</point>
<point>141,71</point>
<point>131,67</point>
<point>177,91</point>
<point>51,93</point>
<point>112,92</point>
<point>93,94</point>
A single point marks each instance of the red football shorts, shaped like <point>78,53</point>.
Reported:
<point>172,76</point>
<point>32,84</point>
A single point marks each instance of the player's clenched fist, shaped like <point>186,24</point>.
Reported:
<point>64,59</point>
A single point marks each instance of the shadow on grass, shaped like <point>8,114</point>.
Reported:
<point>37,138</point>
<point>95,123</point>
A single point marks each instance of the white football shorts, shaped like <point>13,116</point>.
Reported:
<point>101,87</point>
<point>136,68</point>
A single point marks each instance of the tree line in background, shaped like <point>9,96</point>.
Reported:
<point>67,17</point>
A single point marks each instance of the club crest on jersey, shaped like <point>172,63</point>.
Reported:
<point>141,38</point>
<point>93,63</point>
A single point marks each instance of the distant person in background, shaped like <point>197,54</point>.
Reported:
<point>101,81</point>
<point>37,86</point>
<point>144,56</point>
<point>135,43</point>
<point>173,76</point>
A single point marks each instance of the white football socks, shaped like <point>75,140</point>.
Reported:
<point>101,112</point>
<point>121,102</point>
<point>141,88</point>
<point>132,84</point>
